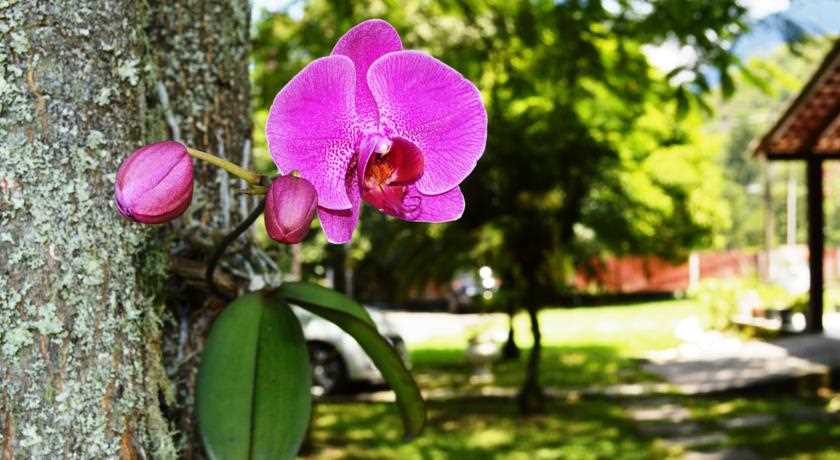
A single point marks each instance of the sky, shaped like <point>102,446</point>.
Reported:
<point>276,5</point>
<point>819,17</point>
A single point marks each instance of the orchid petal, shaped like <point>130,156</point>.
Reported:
<point>434,106</point>
<point>310,127</point>
<point>176,200</point>
<point>364,44</point>
<point>339,225</point>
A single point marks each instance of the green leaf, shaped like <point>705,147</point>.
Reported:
<point>253,394</point>
<point>683,104</point>
<point>308,294</point>
<point>757,81</point>
<point>727,83</point>
<point>356,321</point>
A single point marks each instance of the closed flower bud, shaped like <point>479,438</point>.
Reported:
<point>289,208</point>
<point>155,183</point>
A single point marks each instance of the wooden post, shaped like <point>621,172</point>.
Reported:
<point>769,220</point>
<point>816,243</point>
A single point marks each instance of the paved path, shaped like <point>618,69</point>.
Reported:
<point>715,362</point>
<point>674,425</point>
<point>421,327</point>
<point>666,419</point>
<point>706,362</point>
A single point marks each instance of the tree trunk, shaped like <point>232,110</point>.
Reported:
<point>200,48</point>
<point>510,351</point>
<point>338,257</point>
<point>531,396</point>
<point>84,366</point>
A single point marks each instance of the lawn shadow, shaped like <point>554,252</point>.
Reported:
<point>470,426</point>
<point>481,428</point>
<point>773,423</point>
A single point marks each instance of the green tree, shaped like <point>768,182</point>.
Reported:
<point>748,114</point>
<point>590,149</point>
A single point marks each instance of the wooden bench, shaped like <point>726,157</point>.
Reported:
<point>774,319</point>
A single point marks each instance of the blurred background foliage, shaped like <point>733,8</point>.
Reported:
<point>592,150</point>
<point>772,82</point>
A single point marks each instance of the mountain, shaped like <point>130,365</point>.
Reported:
<point>815,17</point>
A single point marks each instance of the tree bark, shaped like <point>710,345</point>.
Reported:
<point>85,370</point>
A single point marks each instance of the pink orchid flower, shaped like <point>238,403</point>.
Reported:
<point>372,122</point>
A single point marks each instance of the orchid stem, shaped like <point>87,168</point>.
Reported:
<point>254,190</point>
<point>247,175</point>
<point>226,241</point>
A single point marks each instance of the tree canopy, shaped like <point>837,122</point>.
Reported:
<point>591,149</point>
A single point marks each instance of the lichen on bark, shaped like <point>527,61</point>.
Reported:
<point>82,291</point>
<point>200,54</point>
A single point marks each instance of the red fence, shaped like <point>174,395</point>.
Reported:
<point>632,274</point>
<point>652,274</point>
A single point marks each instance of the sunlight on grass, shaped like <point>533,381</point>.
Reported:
<point>489,438</point>
<point>630,329</point>
<point>584,348</point>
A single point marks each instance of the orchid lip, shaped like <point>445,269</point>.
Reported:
<point>388,170</point>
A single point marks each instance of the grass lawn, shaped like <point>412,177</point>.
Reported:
<point>591,346</point>
<point>483,428</point>
<point>585,347</point>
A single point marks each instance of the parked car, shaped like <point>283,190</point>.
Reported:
<point>336,358</point>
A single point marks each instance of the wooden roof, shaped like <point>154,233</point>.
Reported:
<point>811,125</point>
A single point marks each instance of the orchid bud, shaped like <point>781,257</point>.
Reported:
<point>289,208</point>
<point>154,184</point>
